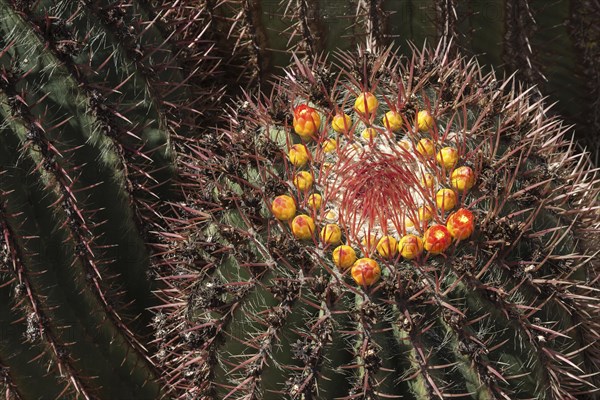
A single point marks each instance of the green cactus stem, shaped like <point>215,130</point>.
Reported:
<point>498,302</point>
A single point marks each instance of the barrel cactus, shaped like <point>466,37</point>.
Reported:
<point>114,188</point>
<point>384,227</point>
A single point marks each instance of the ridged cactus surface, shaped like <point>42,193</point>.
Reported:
<point>90,93</point>
<point>157,240</point>
<point>440,240</point>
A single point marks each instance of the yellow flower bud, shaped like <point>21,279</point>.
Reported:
<point>329,145</point>
<point>366,104</point>
<point>447,157</point>
<point>298,155</point>
<point>314,201</point>
<point>387,247</point>
<point>392,121</point>
<point>369,134</point>
<point>303,227</point>
<point>303,180</point>
<point>410,246</point>
<point>426,148</point>
<point>427,181</point>
<point>344,256</point>
<point>425,214</point>
<point>331,234</point>
<point>446,199</point>
<point>283,207</point>
<point>424,120</point>
<point>341,123</point>
<point>462,178</point>
<point>461,224</point>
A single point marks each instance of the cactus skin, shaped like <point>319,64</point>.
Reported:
<point>507,313</point>
<point>90,94</point>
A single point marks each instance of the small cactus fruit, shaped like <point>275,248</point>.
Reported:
<point>447,157</point>
<point>387,247</point>
<point>446,199</point>
<point>306,121</point>
<point>461,224</point>
<point>303,227</point>
<point>344,256</point>
<point>341,123</point>
<point>366,104</point>
<point>392,120</point>
<point>437,239</point>
<point>426,148</point>
<point>365,272</point>
<point>283,207</point>
<point>424,121</point>
<point>410,246</point>
<point>298,155</point>
<point>331,234</point>
<point>303,181</point>
<point>490,293</point>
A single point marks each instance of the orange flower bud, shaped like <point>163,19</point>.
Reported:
<point>426,148</point>
<point>331,234</point>
<point>298,155</point>
<point>303,180</point>
<point>303,227</point>
<point>366,104</point>
<point>446,199</point>
<point>461,224</point>
<point>392,121</point>
<point>424,120</point>
<point>410,246</point>
<point>365,272</point>
<point>283,207</point>
<point>341,123</point>
<point>437,239</point>
<point>387,247</point>
<point>344,256</point>
<point>462,178</point>
<point>447,157</point>
<point>306,121</point>
<point>315,200</point>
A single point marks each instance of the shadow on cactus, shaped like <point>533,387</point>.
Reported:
<point>381,227</point>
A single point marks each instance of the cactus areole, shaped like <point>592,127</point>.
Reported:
<point>448,253</point>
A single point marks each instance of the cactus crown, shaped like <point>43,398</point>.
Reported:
<point>444,252</point>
